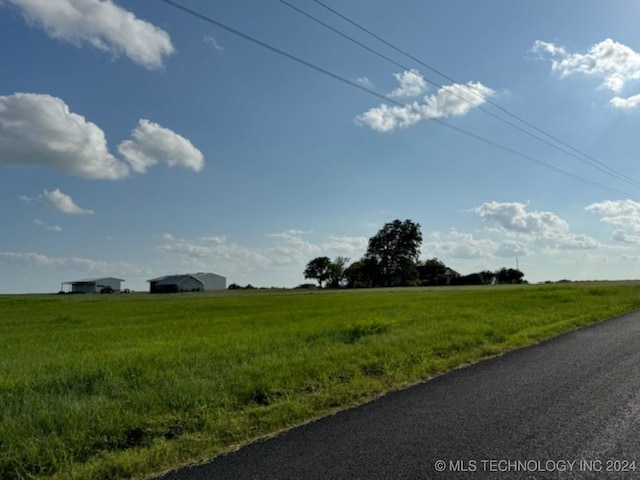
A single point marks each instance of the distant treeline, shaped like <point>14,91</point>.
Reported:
<point>392,260</point>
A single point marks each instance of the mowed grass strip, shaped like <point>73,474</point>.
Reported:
<point>126,386</point>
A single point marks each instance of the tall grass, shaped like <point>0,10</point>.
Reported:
<point>122,386</point>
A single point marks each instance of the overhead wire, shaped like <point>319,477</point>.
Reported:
<point>389,99</point>
<point>572,151</point>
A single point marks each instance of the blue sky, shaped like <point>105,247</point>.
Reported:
<point>137,140</point>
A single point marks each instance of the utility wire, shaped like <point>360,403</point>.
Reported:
<point>607,171</point>
<point>386,98</point>
<point>583,157</point>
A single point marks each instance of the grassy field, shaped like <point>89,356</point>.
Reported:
<point>126,386</point>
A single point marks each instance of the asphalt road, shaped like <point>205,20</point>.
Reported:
<point>566,408</point>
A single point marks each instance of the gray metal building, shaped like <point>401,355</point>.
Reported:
<point>188,282</point>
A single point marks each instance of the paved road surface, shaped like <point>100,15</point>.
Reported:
<point>566,408</point>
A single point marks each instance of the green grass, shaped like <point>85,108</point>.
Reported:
<point>126,386</point>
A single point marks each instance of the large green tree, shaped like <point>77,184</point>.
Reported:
<point>432,272</point>
<point>318,269</point>
<point>394,251</point>
<point>509,275</point>
<point>323,269</point>
<point>361,274</point>
<point>337,272</point>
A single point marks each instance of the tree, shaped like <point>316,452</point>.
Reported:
<point>510,275</point>
<point>395,250</point>
<point>337,272</point>
<point>318,269</point>
<point>361,274</point>
<point>323,269</point>
<point>487,276</point>
<point>432,272</point>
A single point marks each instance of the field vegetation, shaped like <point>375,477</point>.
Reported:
<point>127,386</point>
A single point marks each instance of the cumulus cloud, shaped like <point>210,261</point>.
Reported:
<point>514,217</point>
<point>64,203</point>
<point>628,103</point>
<point>450,101</point>
<point>546,228</point>
<point>351,247</point>
<point>621,213</point>
<point>511,248</point>
<point>612,62</point>
<point>411,83</point>
<point>466,246</point>
<point>101,24</point>
<point>152,143</point>
<point>458,245</point>
<point>38,129</point>
<point>625,237</point>
<point>624,213</point>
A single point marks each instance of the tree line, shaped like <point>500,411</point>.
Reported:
<point>392,260</point>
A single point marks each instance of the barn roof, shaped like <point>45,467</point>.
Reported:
<point>92,280</point>
<point>178,277</point>
<point>172,279</point>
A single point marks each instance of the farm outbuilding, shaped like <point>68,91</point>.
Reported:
<point>188,282</point>
<point>93,285</point>
<point>211,281</point>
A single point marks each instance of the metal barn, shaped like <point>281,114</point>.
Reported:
<point>92,285</point>
<point>188,282</point>
<point>211,281</point>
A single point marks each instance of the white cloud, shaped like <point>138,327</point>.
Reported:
<point>287,234</point>
<point>621,213</point>
<point>37,129</point>
<point>40,130</point>
<point>612,62</point>
<point>64,203</point>
<point>458,245</point>
<point>624,213</point>
<point>546,228</point>
<point>450,101</point>
<point>211,41</point>
<point>365,82</point>
<point>152,143</point>
<point>76,264</point>
<point>385,118</point>
<point>625,209</point>
<point>213,238</point>
<point>49,228</point>
<point>541,47</point>
<point>351,247</point>
<point>626,103</point>
<point>411,83</point>
<point>511,248</point>
<point>101,24</point>
<point>288,252</point>
<point>514,217</point>
<point>456,100</point>
<point>26,199</point>
<point>625,237</point>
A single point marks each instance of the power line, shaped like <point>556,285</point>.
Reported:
<point>386,98</point>
<point>579,155</point>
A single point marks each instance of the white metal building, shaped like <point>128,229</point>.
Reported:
<point>92,285</point>
<point>211,281</point>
